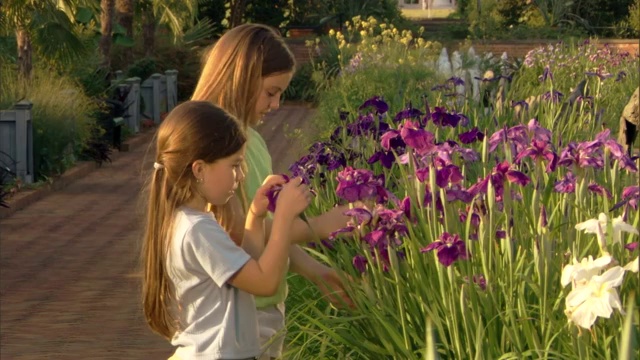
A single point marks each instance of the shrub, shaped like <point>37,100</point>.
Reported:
<point>61,113</point>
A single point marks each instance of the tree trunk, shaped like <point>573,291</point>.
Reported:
<point>24,53</point>
<point>124,14</point>
<point>237,12</point>
<point>149,31</point>
<point>106,20</point>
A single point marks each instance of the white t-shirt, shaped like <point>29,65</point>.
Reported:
<point>217,320</point>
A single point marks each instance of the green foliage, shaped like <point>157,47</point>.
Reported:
<point>569,64</point>
<point>302,87</point>
<point>61,113</point>
<point>370,59</point>
<point>410,306</point>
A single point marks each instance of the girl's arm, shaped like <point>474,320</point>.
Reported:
<point>253,241</point>
<point>325,278</point>
<point>262,276</point>
<point>319,227</point>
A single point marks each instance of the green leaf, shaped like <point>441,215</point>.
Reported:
<point>123,40</point>
<point>84,15</point>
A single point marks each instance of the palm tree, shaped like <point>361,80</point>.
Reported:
<point>44,26</point>
<point>175,14</point>
<point>124,14</point>
<point>106,22</point>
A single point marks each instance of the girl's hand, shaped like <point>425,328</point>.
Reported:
<point>260,201</point>
<point>293,198</point>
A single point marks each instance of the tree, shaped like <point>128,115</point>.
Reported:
<point>124,16</point>
<point>43,26</point>
<point>106,22</point>
<point>175,14</point>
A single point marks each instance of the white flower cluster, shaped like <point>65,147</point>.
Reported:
<point>594,292</point>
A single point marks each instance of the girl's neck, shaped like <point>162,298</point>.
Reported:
<point>197,203</point>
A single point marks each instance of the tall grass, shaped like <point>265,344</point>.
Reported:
<point>61,115</point>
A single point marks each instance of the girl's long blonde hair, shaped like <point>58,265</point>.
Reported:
<point>232,75</point>
<point>195,130</point>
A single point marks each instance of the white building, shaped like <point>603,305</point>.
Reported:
<point>426,4</point>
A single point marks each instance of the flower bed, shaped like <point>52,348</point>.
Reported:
<point>481,230</point>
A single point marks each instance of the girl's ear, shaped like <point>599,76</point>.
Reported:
<point>197,168</point>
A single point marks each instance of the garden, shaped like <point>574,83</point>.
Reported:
<point>494,200</point>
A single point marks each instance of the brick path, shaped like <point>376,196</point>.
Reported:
<point>68,288</point>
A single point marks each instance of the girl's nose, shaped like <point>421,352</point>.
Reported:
<point>275,103</point>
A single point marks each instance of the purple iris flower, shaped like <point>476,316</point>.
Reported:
<point>360,263</point>
<point>522,103</point>
<point>537,151</point>
<point>343,115</point>
<point>408,113</point>
<point>449,247</point>
<point>416,137</point>
<point>386,158</point>
<point>405,205</point>
<point>455,192</point>
<point>621,76</point>
<point>448,174</point>
<point>376,102</point>
<point>616,150</point>
<point>475,218</point>
<point>599,189</point>
<point>391,139</point>
<point>553,96</point>
<point>631,246</point>
<point>471,136</point>
<point>273,193</point>
<point>441,117</point>
<point>584,154</point>
<point>515,136</point>
<point>480,281</point>
<point>546,74</point>
<point>428,198</point>
<point>537,132</point>
<point>632,194</point>
<point>499,174</point>
<point>566,185</point>
<point>603,75</point>
<point>359,185</point>
<point>422,174</point>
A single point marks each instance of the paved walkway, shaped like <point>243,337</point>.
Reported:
<point>68,288</point>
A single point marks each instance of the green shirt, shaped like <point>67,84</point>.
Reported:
<point>259,165</point>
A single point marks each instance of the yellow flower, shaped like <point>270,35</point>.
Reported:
<point>383,26</point>
<point>363,33</point>
<point>332,32</point>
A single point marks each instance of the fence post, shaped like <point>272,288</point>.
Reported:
<point>24,132</point>
<point>22,139</point>
<point>172,89</point>
<point>133,104</point>
<point>155,98</point>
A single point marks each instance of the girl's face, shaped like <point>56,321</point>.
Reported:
<point>269,96</point>
<point>218,181</point>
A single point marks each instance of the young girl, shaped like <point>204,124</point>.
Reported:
<point>245,73</point>
<point>198,284</point>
